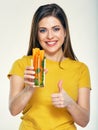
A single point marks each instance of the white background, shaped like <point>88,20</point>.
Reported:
<point>15,23</point>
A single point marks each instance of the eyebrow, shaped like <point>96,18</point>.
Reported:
<point>52,27</point>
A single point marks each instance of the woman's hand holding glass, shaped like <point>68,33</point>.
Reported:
<point>29,75</point>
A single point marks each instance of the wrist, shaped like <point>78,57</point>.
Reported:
<point>70,104</point>
<point>28,88</point>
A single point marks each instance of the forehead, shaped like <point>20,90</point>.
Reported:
<point>49,22</point>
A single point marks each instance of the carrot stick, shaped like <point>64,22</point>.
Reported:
<point>38,61</point>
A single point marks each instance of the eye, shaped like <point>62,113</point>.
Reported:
<point>42,30</point>
<point>56,29</point>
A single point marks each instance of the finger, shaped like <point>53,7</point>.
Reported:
<point>45,70</point>
<point>29,68</point>
<point>29,77</point>
<point>29,72</point>
<point>56,95</point>
<point>57,98</point>
<point>60,86</point>
<point>58,104</point>
<point>28,83</point>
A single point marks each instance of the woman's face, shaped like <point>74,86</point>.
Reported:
<point>51,35</point>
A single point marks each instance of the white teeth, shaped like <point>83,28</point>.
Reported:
<point>50,43</point>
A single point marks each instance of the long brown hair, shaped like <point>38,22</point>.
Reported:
<point>55,11</point>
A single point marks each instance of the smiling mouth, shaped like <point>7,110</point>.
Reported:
<point>51,43</point>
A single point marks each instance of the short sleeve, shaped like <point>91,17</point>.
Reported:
<point>84,80</point>
<point>18,67</point>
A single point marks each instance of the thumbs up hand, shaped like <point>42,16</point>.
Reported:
<point>61,99</point>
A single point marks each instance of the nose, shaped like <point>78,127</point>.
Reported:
<point>50,34</point>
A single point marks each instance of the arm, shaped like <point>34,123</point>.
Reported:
<point>80,111</point>
<point>20,95</point>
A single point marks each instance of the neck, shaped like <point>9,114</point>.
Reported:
<point>55,56</point>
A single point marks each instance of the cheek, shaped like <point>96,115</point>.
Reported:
<point>40,37</point>
<point>61,37</point>
<point>41,40</point>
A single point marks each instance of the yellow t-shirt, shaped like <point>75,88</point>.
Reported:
<point>40,114</point>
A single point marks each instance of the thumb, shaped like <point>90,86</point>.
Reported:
<point>60,85</point>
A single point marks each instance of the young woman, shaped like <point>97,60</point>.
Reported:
<point>65,99</point>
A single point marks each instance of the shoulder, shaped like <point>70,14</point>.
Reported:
<point>74,65</point>
<point>23,60</point>
<point>19,66</point>
<point>77,63</point>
